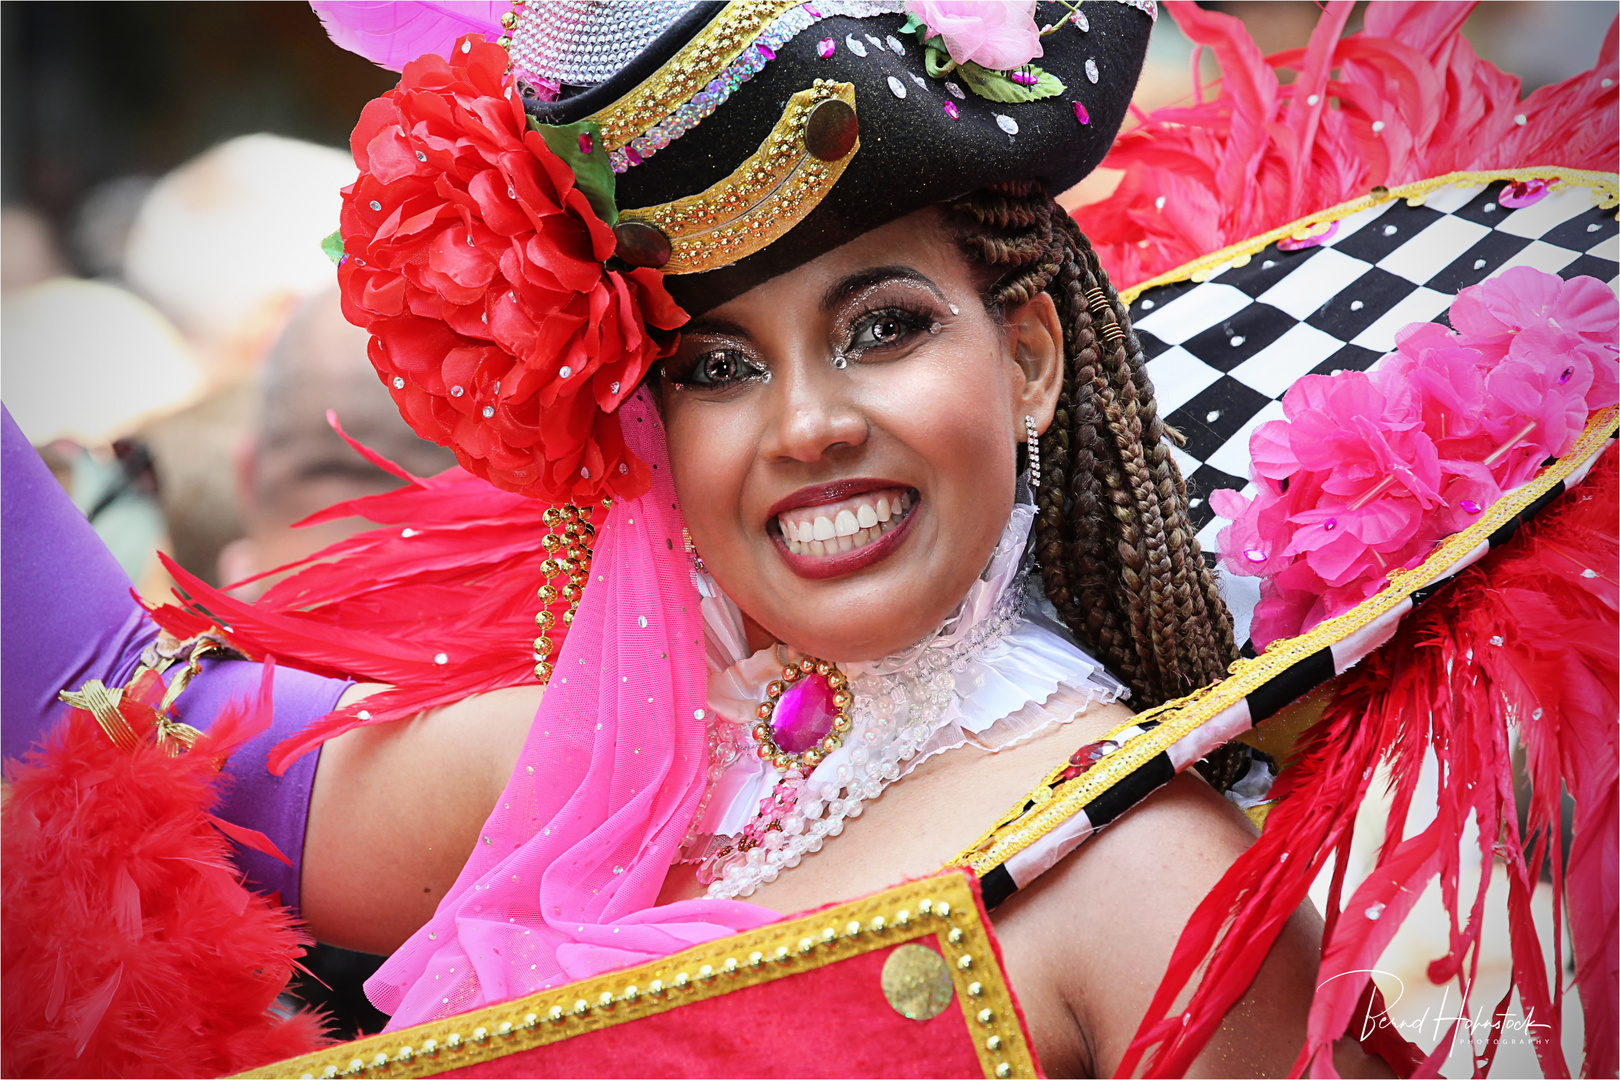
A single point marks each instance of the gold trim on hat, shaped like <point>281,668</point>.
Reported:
<point>939,910</point>
<point>1604,188</point>
<point>768,194</point>
<point>698,63</point>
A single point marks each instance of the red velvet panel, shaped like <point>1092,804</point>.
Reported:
<point>830,1021</point>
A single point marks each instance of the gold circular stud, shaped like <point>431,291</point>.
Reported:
<point>916,982</point>
<point>641,244</point>
<point>831,129</point>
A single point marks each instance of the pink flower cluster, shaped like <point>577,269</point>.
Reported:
<point>1370,470</point>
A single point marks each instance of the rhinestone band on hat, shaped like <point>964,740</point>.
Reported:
<point>585,42</point>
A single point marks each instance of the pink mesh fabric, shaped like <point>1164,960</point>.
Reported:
<point>566,872</point>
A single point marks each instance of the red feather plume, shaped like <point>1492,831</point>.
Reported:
<point>129,945</point>
<point>453,574</point>
<point>1525,638</point>
<point>1411,101</point>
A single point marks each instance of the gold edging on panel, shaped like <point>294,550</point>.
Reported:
<point>1605,189</point>
<point>1018,828</point>
<point>768,194</point>
<point>938,907</point>
<point>698,63</point>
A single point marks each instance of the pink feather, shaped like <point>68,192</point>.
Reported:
<point>453,571</point>
<point>392,34</point>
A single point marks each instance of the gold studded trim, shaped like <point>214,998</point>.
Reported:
<point>699,62</point>
<point>1604,187</point>
<point>1018,828</point>
<point>941,907</point>
<point>757,204</point>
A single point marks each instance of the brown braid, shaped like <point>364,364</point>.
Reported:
<point>1118,556</point>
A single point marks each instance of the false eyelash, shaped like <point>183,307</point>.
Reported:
<point>684,380</point>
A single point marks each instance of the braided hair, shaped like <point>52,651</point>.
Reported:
<point>1117,553</point>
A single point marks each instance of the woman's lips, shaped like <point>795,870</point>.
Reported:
<point>836,538</point>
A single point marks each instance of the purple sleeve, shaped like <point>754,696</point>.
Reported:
<point>67,616</point>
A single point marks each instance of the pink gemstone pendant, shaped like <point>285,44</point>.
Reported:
<point>804,716</point>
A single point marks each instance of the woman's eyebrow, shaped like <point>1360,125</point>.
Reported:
<point>842,290</point>
<point>718,327</point>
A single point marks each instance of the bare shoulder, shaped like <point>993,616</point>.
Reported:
<point>396,808</point>
<point>1109,918</point>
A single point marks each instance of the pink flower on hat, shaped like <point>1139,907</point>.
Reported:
<point>996,34</point>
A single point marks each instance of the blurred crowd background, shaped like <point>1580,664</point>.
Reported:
<point>170,336</point>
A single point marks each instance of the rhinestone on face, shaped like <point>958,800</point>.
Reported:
<point>855,45</point>
<point>1091,70</point>
<point>399,383</point>
<point>375,205</point>
<point>896,87</point>
<point>1006,123</point>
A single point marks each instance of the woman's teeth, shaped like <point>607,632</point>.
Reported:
<point>843,526</point>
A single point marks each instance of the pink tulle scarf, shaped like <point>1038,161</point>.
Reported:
<point>563,882</point>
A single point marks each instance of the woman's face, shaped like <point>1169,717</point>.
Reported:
<point>843,437</point>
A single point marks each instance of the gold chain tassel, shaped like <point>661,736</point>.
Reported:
<point>566,568</point>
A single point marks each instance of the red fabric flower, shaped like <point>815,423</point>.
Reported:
<point>477,266</point>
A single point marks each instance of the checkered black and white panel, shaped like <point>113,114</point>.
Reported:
<point>1222,352</point>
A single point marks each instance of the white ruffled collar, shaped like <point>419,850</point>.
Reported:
<point>968,683</point>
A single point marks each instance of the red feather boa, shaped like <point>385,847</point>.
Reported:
<point>1526,637</point>
<point>129,946</point>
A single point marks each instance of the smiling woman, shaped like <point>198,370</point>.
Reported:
<point>815,508</point>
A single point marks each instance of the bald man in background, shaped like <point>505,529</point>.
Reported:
<point>293,464</point>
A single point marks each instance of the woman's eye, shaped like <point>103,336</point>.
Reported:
<point>722,367</point>
<point>882,328</point>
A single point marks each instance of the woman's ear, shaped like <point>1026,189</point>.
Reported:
<point>1037,344</point>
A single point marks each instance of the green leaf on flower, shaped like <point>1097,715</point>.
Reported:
<point>593,175</point>
<point>998,86</point>
<point>937,59</point>
<point>333,246</point>
<point>914,25</point>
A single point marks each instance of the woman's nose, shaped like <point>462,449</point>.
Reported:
<point>814,413</point>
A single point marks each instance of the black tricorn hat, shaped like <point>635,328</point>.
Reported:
<point>733,131</point>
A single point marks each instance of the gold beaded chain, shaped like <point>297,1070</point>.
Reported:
<point>508,24</point>
<point>566,568</point>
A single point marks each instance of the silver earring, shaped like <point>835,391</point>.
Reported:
<point>1032,444</point>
